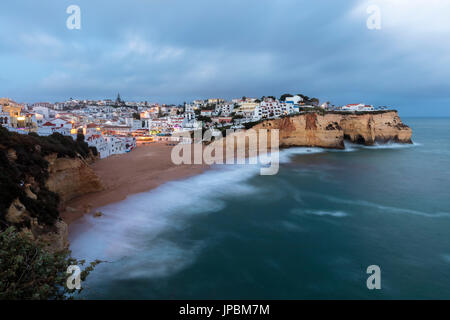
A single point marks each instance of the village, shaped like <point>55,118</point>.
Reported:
<point>116,127</point>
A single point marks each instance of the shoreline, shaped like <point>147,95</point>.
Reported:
<point>145,168</point>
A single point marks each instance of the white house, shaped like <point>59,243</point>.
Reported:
<point>57,125</point>
<point>357,107</point>
<point>224,109</point>
<point>44,111</point>
<point>206,113</point>
<point>270,108</point>
<point>295,99</point>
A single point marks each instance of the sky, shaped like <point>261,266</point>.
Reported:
<point>171,51</point>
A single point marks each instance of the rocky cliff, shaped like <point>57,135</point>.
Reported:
<point>71,177</point>
<point>330,129</point>
<point>37,175</point>
<point>379,127</point>
<point>308,130</point>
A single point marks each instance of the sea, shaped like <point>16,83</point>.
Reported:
<point>309,232</point>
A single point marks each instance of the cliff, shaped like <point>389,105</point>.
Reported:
<point>330,129</point>
<point>371,128</point>
<point>71,177</point>
<point>308,130</point>
<point>37,175</point>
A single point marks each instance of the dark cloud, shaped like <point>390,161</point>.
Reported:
<point>173,50</point>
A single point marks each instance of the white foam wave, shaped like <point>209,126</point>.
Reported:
<point>392,145</point>
<point>336,214</point>
<point>388,208</point>
<point>287,154</point>
<point>133,232</point>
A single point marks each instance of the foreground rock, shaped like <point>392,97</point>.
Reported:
<point>39,174</point>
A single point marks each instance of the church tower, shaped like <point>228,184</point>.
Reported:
<point>118,100</point>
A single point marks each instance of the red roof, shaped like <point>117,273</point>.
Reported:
<point>49,124</point>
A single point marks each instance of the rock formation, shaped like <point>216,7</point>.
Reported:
<point>39,174</point>
<point>330,129</point>
<point>71,178</point>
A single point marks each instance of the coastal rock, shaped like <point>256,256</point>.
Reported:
<point>370,128</point>
<point>71,177</point>
<point>12,155</point>
<point>330,129</point>
<point>30,193</point>
<point>98,214</point>
<point>307,130</point>
<point>17,212</point>
<point>55,237</point>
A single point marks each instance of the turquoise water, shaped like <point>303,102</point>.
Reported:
<point>309,232</point>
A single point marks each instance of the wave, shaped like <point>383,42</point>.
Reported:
<point>336,214</point>
<point>385,208</point>
<point>392,145</point>
<point>134,234</point>
<point>287,154</point>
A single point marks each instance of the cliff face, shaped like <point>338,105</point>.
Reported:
<point>372,128</point>
<point>307,130</point>
<point>329,130</point>
<point>70,178</point>
<point>37,174</point>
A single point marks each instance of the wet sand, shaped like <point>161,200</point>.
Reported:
<point>141,170</point>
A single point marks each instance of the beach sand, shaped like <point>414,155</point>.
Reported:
<point>143,169</point>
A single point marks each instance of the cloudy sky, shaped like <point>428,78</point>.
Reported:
<point>171,51</point>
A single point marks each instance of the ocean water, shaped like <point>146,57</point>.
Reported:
<point>309,232</point>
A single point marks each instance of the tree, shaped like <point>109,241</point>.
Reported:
<point>28,271</point>
<point>137,116</point>
<point>284,96</point>
<point>314,101</point>
<point>236,116</point>
<point>305,98</point>
<point>80,137</point>
<point>204,118</point>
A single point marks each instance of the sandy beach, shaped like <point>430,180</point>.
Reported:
<point>143,169</point>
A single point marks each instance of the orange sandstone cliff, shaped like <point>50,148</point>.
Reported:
<point>330,129</point>
<point>71,178</point>
<point>38,175</point>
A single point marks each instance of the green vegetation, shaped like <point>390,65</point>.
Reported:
<point>27,269</point>
<point>284,96</point>
<point>29,272</point>
<point>205,119</point>
<point>235,116</point>
<point>249,125</point>
<point>22,161</point>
